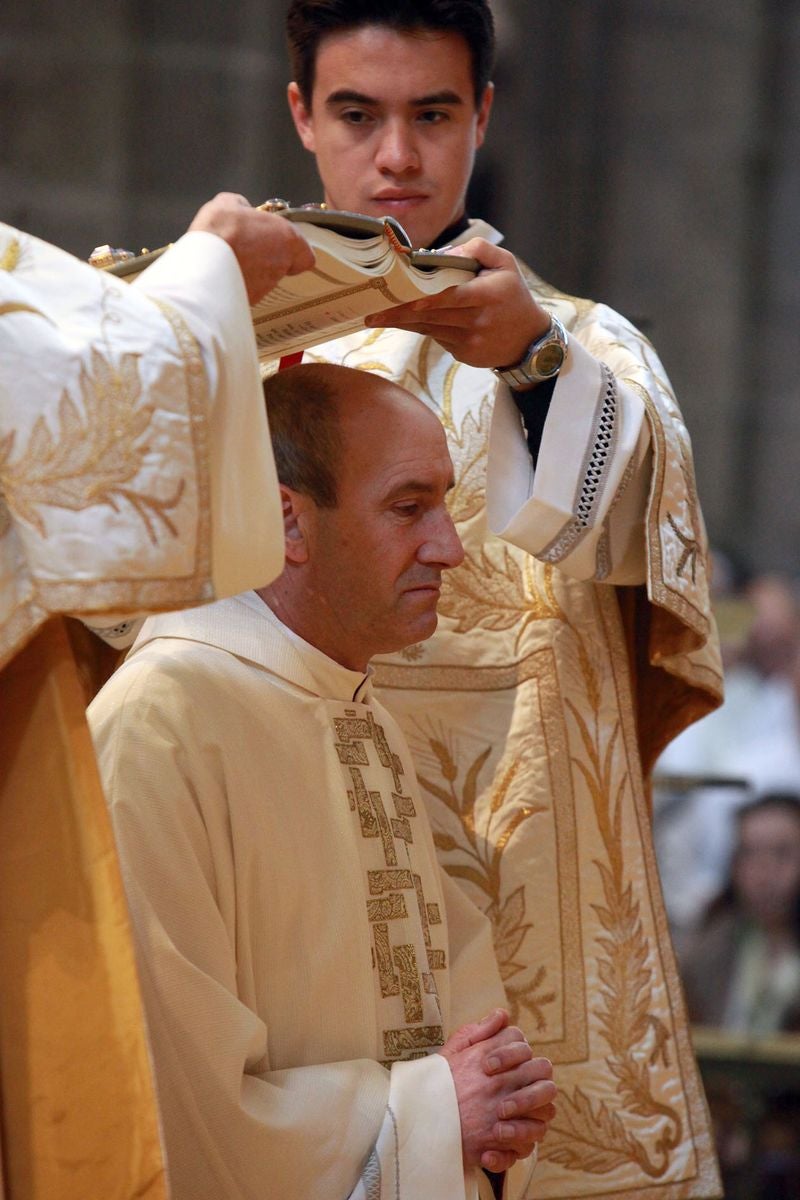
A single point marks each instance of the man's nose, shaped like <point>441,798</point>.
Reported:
<point>443,546</point>
<point>397,151</point>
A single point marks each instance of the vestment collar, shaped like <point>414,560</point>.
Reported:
<point>478,228</point>
<point>246,627</point>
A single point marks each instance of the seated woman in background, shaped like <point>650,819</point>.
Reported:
<point>741,970</point>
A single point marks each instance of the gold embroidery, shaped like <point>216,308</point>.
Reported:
<point>388,908</point>
<point>400,973</point>
<point>372,816</point>
<point>351,730</point>
<point>387,881</point>
<point>485,594</point>
<point>468,448</point>
<point>484,845</point>
<point>390,984</point>
<point>93,456</point>
<point>405,960</point>
<point>400,1041</point>
<point>11,256</point>
<point>14,307</point>
<point>589,1136</point>
<point>690,550</point>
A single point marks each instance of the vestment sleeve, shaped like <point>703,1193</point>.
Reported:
<point>200,279</point>
<point>233,1126</point>
<point>583,506</point>
<point>136,472</point>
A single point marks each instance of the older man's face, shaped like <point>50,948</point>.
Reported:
<point>376,560</point>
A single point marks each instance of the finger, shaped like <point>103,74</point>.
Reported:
<point>304,257</point>
<point>518,1079</point>
<point>457,317</point>
<point>505,1058</point>
<point>487,254</point>
<point>445,335</point>
<point>497,1161</point>
<point>452,300</point>
<point>480,1031</point>
<point>529,1101</point>
<point>517,1136</point>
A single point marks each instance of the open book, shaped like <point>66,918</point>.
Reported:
<point>363,265</point>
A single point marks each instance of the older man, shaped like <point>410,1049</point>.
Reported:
<point>307,970</point>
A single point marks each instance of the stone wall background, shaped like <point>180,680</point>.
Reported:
<point>646,153</point>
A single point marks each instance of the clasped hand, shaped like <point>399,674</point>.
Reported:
<point>505,1095</point>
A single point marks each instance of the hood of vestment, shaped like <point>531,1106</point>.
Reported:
<point>247,628</point>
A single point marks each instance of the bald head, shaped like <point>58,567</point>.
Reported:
<point>320,412</point>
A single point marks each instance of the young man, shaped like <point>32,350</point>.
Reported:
<point>571,651</point>
<point>307,969</point>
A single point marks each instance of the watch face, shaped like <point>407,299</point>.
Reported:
<point>549,359</point>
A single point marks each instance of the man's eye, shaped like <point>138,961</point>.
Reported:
<point>407,510</point>
<point>355,116</point>
<point>433,116</point>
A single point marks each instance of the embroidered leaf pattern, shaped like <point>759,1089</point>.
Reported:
<point>510,929</point>
<point>94,453</point>
<point>587,1137</point>
<point>485,831</point>
<point>593,1138</point>
<point>468,450</point>
<point>481,594</point>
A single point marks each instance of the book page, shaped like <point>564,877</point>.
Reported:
<point>334,298</point>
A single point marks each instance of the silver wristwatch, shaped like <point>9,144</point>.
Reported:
<point>542,360</point>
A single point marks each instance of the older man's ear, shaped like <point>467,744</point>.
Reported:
<point>296,512</point>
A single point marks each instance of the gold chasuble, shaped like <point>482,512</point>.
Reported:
<point>539,706</point>
<point>121,412</point>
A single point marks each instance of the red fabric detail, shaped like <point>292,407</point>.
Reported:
<point>290,360</point>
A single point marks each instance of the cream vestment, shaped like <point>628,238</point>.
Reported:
<point>296,935</point>
<point>135,473</point>
<point>133,442</point>
<point>537,709</point>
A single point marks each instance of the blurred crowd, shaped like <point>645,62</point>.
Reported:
<point>727,830</point>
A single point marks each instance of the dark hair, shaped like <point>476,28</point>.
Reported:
<point>304,425</point>
<point>309,21</point>
<point>726,900</point>
<point>788,802</point>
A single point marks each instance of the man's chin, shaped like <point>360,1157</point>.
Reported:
<point>417,631</point>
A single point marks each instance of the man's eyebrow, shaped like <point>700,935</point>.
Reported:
<point>415,487</point>
<point>348,96</point>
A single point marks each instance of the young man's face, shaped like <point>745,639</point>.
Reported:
<point>394,125</point>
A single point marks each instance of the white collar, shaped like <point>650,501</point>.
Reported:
<point>245,626</point>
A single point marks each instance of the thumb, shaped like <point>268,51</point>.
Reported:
<point>486,253</point>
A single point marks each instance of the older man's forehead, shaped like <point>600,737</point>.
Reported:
<point>411,485</point>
